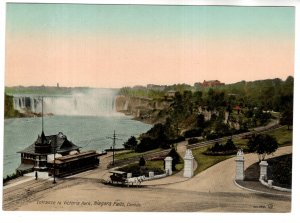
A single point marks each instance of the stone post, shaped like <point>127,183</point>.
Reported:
<point>129,175</point>
<point>151,174</point>
<point>168,165</point>
<point>239,162</point>
<point>188,164</point>
<point>270,183</point>
<point>263,170</point>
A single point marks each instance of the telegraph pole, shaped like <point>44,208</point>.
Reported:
<point>114,144</point>
<point>54,151</point>
<point>114,138</point>
<point>42,114</point>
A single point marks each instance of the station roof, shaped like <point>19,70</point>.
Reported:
<point>59,143</point>
<point>24,167</point>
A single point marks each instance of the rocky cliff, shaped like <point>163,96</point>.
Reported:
<point>142,109</point>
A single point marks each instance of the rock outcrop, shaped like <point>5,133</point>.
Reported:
<point>142,109</point>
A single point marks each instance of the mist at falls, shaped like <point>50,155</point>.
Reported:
<point>91,102</point>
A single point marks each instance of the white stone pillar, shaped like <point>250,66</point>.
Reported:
<point>263,170</point>
<point>168,165</point>
<point>188,164</point>
<point>129,175</point>
<point>151,174</point>
<point>270,183</point>
<point>239,163</point>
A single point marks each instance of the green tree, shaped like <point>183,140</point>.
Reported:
<point>262,145</point>
<point>131,143</point>
<point>176,158</point>
<point>142,162</point>
<point>287,118</point>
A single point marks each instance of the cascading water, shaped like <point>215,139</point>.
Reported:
<point>94,102</point>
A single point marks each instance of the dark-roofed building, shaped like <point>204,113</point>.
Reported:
<point>36,156</point>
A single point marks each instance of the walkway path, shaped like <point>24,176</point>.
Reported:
<point>220,177</point>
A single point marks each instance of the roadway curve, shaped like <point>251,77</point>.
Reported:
<point>212,190</point>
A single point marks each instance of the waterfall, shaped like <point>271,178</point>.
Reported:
<point>94,102</point>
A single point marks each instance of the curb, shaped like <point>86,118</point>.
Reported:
<point>261,192</point>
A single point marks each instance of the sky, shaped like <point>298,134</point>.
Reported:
<point>127,45</point>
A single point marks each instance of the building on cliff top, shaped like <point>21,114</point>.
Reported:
<point>211,83</point>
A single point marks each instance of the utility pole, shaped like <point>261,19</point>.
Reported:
<point>114,138</point>
<point>114,144</point>
<point>54,151</point>
<point>42,114</point>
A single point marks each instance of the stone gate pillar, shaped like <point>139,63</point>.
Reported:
<point>168,165</point>
<point>263,170</point>
<point>188,164</point>
<point>239,163</point>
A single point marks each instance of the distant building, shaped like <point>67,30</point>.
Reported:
<point>170,94</point>
<point>237,108</point>
<point>138,87</point>
<point>156,87</point>
<point>211,83</point>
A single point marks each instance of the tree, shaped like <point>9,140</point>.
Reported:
<point>146,144</point>
<point>131,143</point>
<point>262,145</point>
<point>230,145</point>
<point>176,158</point>
<point>200,120</point>
<point>287,118</point>
<point>142,162</point>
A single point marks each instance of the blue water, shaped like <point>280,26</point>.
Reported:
<point>89,132</point>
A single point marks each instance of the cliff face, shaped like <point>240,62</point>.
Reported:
<point>9,111</point>
<point>143,109</point>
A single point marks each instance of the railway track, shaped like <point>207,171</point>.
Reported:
<point>14,197</point>
<point>258,130</point>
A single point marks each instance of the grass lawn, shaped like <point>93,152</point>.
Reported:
<point>283,136</point>
<point>130,154</point>
<point>179,166</point>
<point>205,161</point>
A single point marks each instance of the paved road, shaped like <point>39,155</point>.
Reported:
<point>211,190</point>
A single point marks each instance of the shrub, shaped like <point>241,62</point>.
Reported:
<point>142,162</point>
<point>218,149</point>
<point>230,145</point>
<point>193,141</point>
<point>131,143</point>
<point>176,158</point>
<point>147,143</point>
<point>193,132</point>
